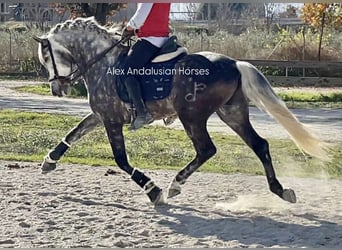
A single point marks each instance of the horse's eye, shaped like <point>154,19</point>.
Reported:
<point>45,43</point>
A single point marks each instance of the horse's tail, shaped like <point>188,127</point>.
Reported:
<point>256,87</point>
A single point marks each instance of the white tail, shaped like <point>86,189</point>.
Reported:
<point>256,87</point>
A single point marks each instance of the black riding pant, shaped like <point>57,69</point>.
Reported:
<point>139,55</point>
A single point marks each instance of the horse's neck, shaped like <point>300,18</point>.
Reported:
<point>99,82</point>
<point>84,48</point>
<point>97,78</point>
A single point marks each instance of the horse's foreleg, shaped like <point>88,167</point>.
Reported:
<point>116,139</point>
<point>204,147</point>
<point>87,124</point>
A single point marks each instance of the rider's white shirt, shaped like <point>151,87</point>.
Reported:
<point>138,19</point>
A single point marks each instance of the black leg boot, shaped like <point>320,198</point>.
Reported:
<point>134,92</point>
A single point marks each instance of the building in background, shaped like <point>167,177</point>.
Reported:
<point>33,12</point>
<point>5,12</point>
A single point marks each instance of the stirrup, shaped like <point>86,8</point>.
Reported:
<point>141,121</point>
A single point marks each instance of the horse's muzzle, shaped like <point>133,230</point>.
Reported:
<point>56,88</point>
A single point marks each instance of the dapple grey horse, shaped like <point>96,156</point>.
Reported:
<point>70,48</point>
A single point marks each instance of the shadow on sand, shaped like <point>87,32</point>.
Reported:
<point>251,229</point>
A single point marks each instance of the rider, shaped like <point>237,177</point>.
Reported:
<point>150,24</point>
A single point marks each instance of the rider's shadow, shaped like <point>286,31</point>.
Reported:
<point>252,229</point>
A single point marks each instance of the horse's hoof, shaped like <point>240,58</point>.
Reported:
<point>155,195</point>
<point>173,192</point>
<point>174,189</point>
<point>160,199</point>
<point>289,195</point>
<point>48,167</point>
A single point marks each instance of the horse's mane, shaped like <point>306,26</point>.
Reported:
<point>86,25</point>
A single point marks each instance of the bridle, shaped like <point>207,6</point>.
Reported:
<point>79,71</point>
<point>54,65</point>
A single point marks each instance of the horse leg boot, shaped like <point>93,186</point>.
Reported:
<point>117,142</point>
<point>88,124</point>
<point>134,92</point>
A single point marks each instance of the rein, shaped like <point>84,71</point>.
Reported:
<point>79,72</point>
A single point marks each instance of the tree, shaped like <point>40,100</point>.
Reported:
<point>99,10</point>
<point>270,9</point>
<point>318,14</point>
<point>321,15</point>
<point>225,14</point>
<point>235,10</point>
<point>191,8</point>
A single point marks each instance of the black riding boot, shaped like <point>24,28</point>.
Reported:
<point>134,92</point>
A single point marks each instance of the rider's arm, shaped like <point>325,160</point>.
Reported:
<point>140,15</point>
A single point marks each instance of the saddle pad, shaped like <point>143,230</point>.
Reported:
<point>155,78</point>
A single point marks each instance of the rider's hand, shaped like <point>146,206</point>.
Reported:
<point>127,33</point>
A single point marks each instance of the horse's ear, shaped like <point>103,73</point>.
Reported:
<point>38,39</point>
<point>124,21</point>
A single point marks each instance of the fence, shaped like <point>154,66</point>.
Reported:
<point>287,80</point>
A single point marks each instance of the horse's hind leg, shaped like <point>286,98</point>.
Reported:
<point>205,149</point>
<point>236,115</point>
<point>87,124</point>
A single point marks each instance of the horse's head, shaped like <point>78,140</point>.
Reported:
<point>58,61</point>
<point>67,49</point>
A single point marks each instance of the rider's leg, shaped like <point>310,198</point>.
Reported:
<point>134,92</point>
<point>139,55</point>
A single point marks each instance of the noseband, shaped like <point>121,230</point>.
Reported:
<point>77,72</point>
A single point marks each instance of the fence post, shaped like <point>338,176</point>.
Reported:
<point>10,49</point>
<point>304,44</point>
<point>201,40</point>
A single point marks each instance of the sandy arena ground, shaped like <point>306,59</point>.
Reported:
<point>79,206</point>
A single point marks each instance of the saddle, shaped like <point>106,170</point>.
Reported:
<point>169,50</point>
<point>157,84</point>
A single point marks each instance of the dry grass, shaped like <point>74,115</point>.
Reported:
<point>252,44</point>
<point>258,44</point>
<point>21,49</point>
